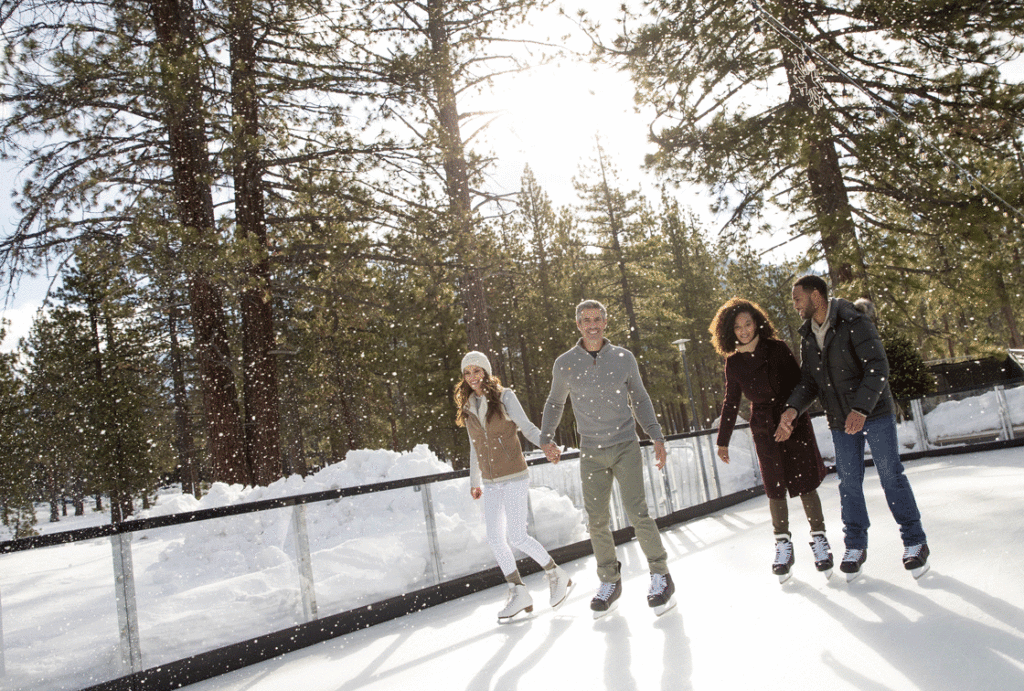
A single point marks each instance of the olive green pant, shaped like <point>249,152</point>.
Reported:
<point>598,467</point>
<point>779,509</point>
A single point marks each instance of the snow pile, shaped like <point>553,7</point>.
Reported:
<point>973,416</point>
<point>362,548</point>
<point>211,583</point>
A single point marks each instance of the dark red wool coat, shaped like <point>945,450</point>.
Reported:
<point>766,377</point>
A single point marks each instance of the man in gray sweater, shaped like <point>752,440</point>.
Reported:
<point>606,389</point>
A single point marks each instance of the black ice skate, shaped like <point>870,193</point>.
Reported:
<point>660,596</point>
<point>852,562</point>
<point>915,560</point>
<point>783,558</point>
<point>606,599</point>
<point>822,553</point>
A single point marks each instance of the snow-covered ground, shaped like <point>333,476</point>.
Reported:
<point>212,583</point>
<point>960,627</point>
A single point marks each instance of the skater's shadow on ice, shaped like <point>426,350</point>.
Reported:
<point>677,660</point>
<point>370,670</point>
<point>514,633</point>
<point>928,644</point>
<point>1001,610</point>
<point>618,656</point>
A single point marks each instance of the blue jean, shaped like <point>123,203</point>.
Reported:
<point>880,434</point>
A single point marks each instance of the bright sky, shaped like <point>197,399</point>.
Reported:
<point>551,120</point>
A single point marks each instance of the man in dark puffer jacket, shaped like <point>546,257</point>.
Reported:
<point>843,365</point>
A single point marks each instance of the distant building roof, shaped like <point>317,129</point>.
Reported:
<point>974,373</point>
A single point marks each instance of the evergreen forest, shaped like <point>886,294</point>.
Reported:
<point>273,234</point>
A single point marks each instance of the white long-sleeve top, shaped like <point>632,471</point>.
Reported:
<point>513,410</point>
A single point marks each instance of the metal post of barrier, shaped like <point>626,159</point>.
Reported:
<point>917,410</point>
<point>306,584</point>
<point>127,609</point>
<point>435,547</point>
<point>713,455</point>
<point>3,668</point>
<point>1004,413</point>
<point>694,443</point>
<point>673,483</point>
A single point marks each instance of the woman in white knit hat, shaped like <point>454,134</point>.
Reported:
<point>493,416</point>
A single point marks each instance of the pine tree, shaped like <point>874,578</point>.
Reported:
<point>17,469</point>
<point>616,220</point>
<point>909,376</point>
<point>821,110</point>
<point>100,420</point>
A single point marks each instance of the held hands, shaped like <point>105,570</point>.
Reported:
<point>723,453</point>
<point>475,492</point>
<point>552,452</point>
<point>785,427</point>
<point>855,422</point>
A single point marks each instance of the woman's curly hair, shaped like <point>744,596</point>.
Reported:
<point>492,392</point>
<point>723,336</point>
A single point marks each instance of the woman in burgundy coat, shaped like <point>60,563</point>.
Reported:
<point>762,368</point>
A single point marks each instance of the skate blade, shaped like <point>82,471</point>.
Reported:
<point>918,572</point>
<point>851,577</point>
<point>599,614</point>
<point>568,589</point>
<point>526,614</point>
<point>783,577</point>
<point>661,609</point>
<point>828,574</point>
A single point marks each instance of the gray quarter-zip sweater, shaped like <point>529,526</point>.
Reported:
<point>606,392</point>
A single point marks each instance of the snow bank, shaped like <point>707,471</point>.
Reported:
<point>211,583</point>
<point>362,548</point>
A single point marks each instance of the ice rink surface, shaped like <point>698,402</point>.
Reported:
<point>959,628</point>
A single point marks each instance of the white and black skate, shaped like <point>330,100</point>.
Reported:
<point>822,553</point>
<point>783,558</point>
<point>660,597</point>
<point>560,586</point>
<point>518,600</point>
<point>915,560</point>
<point>852,562</point>
<point>606,599</point>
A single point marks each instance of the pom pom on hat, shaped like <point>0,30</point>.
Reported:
<point>475,357</point>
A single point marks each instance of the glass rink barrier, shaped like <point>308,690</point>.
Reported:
<point>965,417</point>
<point>96,608</point>
<point>168,600</point>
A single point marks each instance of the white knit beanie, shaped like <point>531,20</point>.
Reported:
<point>475,357</point>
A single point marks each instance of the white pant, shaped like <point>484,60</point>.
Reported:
<point>505,516</point>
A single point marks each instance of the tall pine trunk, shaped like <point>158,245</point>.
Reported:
<point>188,471</point>
<point>176,36</point>
<point>472,290</point>
<point>259,370</point>
<point>829,198</point>
<point>615,229</point>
